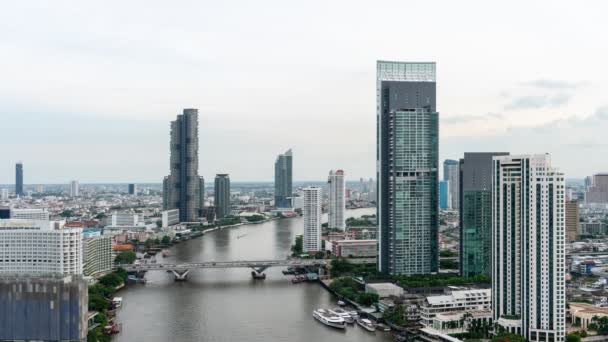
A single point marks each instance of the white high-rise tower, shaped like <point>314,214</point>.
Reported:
<point>528,251</point>
<point>337,203</point>
<point>312,219</point>
<point>74,188</point>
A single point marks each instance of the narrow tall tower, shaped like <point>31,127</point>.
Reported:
<point>74,188</point>
<point>407,166</point>
<point>222,195</point>
<point>181,188</point>
<point>337,202</point>
<point>528,247</point>
<point>312,219</point>
<point>283,180</point>
<point>451,174</point>
<point>19,179</point>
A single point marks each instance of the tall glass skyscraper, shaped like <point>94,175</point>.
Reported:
<point>182,188</point>
<point>221,196</point>
<point>451,175</point>
<point>283,180</point>
<point>407,167</point>
<point>19,179</point>
<point>476,213</point>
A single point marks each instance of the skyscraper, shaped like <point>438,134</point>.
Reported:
<point>337,202</point>
<point>407,167</point>
<point>528,247</point>
<point>283,180</point>
<point>444,194</point>
<point>451,174</point>
<point>74,188</point>
<point>311,213</point>
<point>182,187</point>
<point>572,218</point>
<point>19,179</point>
<point>597,192</point>
<point>476,213</point>
<point>222,195</point>
<point>132,189</point>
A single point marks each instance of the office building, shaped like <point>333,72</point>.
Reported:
<point>528,259</point>
<point>19,179</point>
<point>169,217</point>
<point>572,219</point>
<point>4,195</point>
<point>97,255</point>
<point>5,212</point>
<point>354,248</point>
<point>337,200</point>
<point>127,220</point>
<point>39,247</point>
<point>74,188</point>
<point>444,195</point>
<point>132,188</point>
<point>29,214</point>
<point>407,167</point>
<point>49,308</point>
<point>283,180</point>
<point>312,219</point>
<point>476,213</point>
<point>597,192</point>
<point>221,197</point>
<point>451,174</point>
<point>181,188</point>
<point>201,193</point>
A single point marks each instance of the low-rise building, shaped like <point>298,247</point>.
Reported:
<point>582,313</point>
<point>355,248</point>
<point>477,301</point>
<point>384,290</point>
<point>170,217</point>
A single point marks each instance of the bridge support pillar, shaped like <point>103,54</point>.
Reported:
<point>258,272</point>
<point>180,275</point>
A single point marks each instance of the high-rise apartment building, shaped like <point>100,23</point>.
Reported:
<point>451,174</point>
<point>222,195</point>
<point>74,189</point>
<point>4,195</point>
<point>19,179</point>
<point>283,188</point>
<point>97,255</point>
<point>572,219</point>
<point>528,247</point>
<point>476,213</point>
<point>337,200</point>
<point>597,192</point>
<point>132,189</point>
<point>181,189</point>
<point>311,213</point>
<point>407,167</point>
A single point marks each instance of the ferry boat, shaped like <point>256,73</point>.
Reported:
<point>366,324</point>
<point>341,303</point>
<point>329,319</point>
<point>348,318</point>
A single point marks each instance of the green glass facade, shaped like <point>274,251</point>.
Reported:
<point>476,233</point>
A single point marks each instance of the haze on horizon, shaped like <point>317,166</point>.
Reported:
<point>88,90</point>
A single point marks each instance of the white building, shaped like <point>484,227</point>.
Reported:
<point>97,255</point>
<point>312,219</point>
<point>39,247</point>
<point>337,203</point>
<point>30,214</point>
<point>455,304</point>
<point>127,220</point>
<point>4,195</point>
<point>74,188</point>
<point>170,217</point>
<point>528,244</point>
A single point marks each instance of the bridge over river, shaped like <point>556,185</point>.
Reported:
<point>181,270</point>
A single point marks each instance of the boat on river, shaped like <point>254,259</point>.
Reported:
<point>331,320</point>
<point>348,318</point>
<point>366,324</point>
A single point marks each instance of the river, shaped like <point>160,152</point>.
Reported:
<point>226,304</point>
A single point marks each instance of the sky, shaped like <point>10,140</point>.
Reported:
<point>87,89</point>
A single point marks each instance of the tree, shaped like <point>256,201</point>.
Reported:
<point>66,213</point>
<point>297,247</point>
<point>508,337</point>
<point>165,240</point>
<point>159,223</point>
<point>395,315</point>
<point>255,218</point>
<point>126,257</point>
<point>367,299</point>
<point>149,242</point>
<point>573,337</point>
<point>319,255</point>
<point>600,324</point>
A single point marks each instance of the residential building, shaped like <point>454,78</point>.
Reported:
<point>132,189</point>
<point>597,192</point>
<point>39,247</point>
<point>127,220</point>
<point>354,248</point>
<point>572,219</point>
<point>475,213</point>
<point>181,189</point>
<point>4,195</point>
<point>29,214</point>
<point>283,180</point>
<point>222,195</point>
<point>437,311</point>
<point>593,228</point>
<point>528,259</point>
<point>97,255</point>
<point>337,200</point>
<point>19,179</point>
<point>312,219</point>
<point>451,174</point>
<point>407,167</point>
<point>74,188</point>
<point>444,195</point>
<point>49,308</point>
<point>170,217</point>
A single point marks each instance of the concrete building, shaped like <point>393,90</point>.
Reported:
<point>384,290</point>
<point>39,248</point>
<point>572,219</point>
<point>528,265</point>
<point>593,228</point>
<point>582,313</point>
<point>283,178</point>
<point>221,197</point>
<point>597,192</point>
<point>4,195</point>
<point>132,189</point>
<point>97,255</point>
<point>337,200</point>
<point>475,213</point>
<point>127,220</point>
<point>29,214</point>
<point>407,167</point>
<point>50,308</point>
<point>312,219</point>
<point>181,189</point>
<point>444,195</point>
<point>170,217</point>
<point>354,248</point>
<point>19,179</point>
<point>74,189</point>
<point>436,311</point>
<point>451,174</point>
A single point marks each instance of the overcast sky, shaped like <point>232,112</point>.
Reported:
<point>87,91</point>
